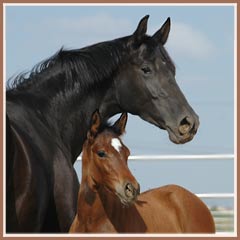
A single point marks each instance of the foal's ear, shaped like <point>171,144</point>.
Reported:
<point>162,34</point>
<point>120,125</point>
<point>95,124</point>
<point>141,30</point>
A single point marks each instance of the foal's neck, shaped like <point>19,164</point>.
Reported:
<point>93,216</point>
<point>99,210</point>
<point>102,211</point>
<point>90,212</point>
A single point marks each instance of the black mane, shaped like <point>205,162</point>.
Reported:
<point>85,67</point>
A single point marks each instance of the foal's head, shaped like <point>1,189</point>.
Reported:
<point>106,157</point>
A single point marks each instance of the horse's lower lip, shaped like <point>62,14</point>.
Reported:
<point>177,138</point>
<point>125,201</point>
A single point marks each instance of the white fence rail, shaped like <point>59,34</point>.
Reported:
<point>215,195</point>
<point>183,157</point>
<point>224,218</point>
<point>180,157</point>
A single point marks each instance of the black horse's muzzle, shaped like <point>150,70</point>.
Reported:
<point>185,130</point>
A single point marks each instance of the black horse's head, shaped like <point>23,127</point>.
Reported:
<point>146,85</point>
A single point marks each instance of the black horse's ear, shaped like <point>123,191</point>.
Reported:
<point>120,125</point>
<point>95,124</point>
<point>162,34</point>
<point>141,30</point>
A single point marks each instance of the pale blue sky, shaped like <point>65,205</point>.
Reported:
<point>201,43</point>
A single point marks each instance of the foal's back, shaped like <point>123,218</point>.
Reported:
<point>172,209</point>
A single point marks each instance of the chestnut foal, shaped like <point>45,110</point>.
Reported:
<point>109,199</point>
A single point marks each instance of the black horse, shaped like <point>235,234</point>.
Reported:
<point>49,112</point>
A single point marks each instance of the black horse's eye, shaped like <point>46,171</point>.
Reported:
<point>146,70</point>
<point>101,154</point>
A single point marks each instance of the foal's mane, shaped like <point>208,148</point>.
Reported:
<point>89,66</point>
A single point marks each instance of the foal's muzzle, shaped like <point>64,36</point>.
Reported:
<point>131,191</point>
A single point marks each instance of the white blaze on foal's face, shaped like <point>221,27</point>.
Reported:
<point>116,144</point>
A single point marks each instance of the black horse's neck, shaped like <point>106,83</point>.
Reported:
<point>67,88</point>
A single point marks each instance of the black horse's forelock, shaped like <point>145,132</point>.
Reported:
<point>90,66</point>
<point>168,59</point>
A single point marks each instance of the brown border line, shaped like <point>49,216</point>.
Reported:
<point>1,110</point>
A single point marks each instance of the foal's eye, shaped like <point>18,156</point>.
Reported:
<point>146,70</point>
<point>101,154</point>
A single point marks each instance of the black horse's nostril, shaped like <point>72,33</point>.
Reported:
<point>185,126</point>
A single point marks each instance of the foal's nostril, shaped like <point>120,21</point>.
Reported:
<point>185,126</point>
<point>131,191</point>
